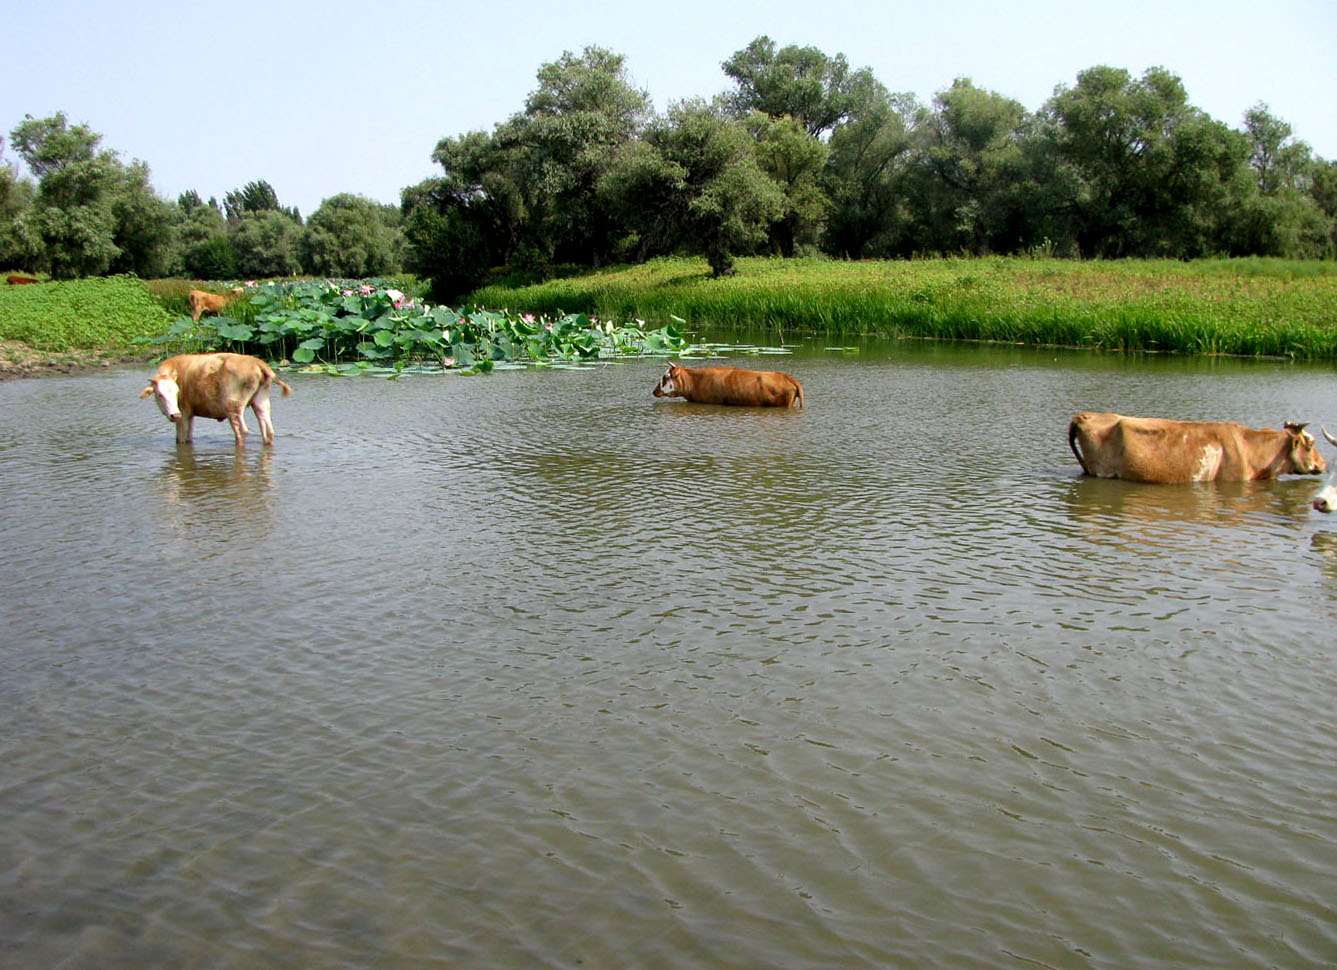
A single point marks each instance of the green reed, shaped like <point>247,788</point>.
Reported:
<point>1244,307</point>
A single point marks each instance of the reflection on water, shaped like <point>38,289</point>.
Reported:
<point>239,475</point>
<point>536,670</point>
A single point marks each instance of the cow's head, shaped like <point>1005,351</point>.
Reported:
<point>668,384</point>
<point>1305,457</point>
<point>164,389</point>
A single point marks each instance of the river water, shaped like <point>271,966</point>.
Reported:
<point>534,670</point>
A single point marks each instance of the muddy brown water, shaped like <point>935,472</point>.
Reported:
<point>534,670</point>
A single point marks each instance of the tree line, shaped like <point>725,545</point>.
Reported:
<point>802,156</point>
<point>89,214</point>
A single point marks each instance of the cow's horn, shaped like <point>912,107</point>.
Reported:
<point>1331,439</point>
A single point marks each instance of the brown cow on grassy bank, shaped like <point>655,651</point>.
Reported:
<point>202,301</point>
<point>19,280</point>
<point>1164,450</point>
<point>731,385</point>
<point>214,386</point>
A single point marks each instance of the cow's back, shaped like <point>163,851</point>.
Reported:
<point>1157,449</point>
<point>213,384</point>
<point>736,385</point>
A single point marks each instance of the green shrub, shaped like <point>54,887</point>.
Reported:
<point>103,313</point>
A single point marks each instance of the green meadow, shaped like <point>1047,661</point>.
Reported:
<point>1246,307</point>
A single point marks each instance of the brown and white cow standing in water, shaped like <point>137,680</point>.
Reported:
<point>1326,499</point>
<point>214,386</point>
<point>731,385</point>
<point>1165,450</point>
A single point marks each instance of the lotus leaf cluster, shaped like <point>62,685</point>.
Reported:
<point>342,326</point>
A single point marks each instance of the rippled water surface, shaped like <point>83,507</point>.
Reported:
<point>533,670</point>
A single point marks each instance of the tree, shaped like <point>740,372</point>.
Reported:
<point>527,192</point>
<point>265,243</point>
<point>70,220</point>
<point>868,158</point>
<point>802,83</point>
<point>349,236</point>
<point>1323,190</point>
<point>145,225</point>
<point>206,252</point>
<point>17,247</point>
<point>795,161</point>
<point>1149,174</point>
<point>91,214</point>
<point>969,184</point>
<point>446,243</point>
<point>557,150</point>
<point>694,184</point>
<point>256,196</point>
<point>1279,161</point>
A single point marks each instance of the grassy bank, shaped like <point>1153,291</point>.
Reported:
<point>1247,307</point>
<point>76,324</point>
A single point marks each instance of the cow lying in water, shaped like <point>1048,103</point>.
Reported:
<point>200,301</point>
<point>1164,450</point>
<point>215,386</point>
<point>731,385</point>
<point>1326,499</point>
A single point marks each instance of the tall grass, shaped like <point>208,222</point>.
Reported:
<point>1245,307</point>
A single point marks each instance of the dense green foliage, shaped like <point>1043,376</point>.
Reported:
<point>1250,307</point>
<point>807,156</point>
<point>88,214</point>
<point>358,326</point>
<point>107,314</point>
<point>803,156</point>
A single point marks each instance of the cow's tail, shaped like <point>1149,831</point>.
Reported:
<point>286,389</point>
<point>1072,443</point>
<point>798,397</point>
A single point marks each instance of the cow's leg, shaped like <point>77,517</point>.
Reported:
<point>238,422</point>
<point>183,423</point>
<point>260,405</point>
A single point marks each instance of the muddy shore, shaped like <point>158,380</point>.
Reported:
<point>19,360</point>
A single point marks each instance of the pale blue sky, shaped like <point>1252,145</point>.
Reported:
<point>324,97</point>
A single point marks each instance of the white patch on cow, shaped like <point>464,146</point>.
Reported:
<point>1209,463</point>
<point>1326,499</point>
<point>667,387</point>
<point>165,392</point>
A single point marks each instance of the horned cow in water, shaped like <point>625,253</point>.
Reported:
<point>1164,450</point>
<point>731,385</point>
<point>214,386</point>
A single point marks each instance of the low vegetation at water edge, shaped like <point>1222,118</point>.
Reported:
<point>359,326</point>
<point>1246,307</point>
<point>105,314</point>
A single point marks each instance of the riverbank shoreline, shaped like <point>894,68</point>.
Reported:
<point>1248,308</point>
<point>18,360</point>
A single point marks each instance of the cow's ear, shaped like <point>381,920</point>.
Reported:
<point>147,391</point>
<point>1294,426</point>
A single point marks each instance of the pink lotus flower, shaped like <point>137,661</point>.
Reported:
<point>528,318</point>
<point>366,290</point>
